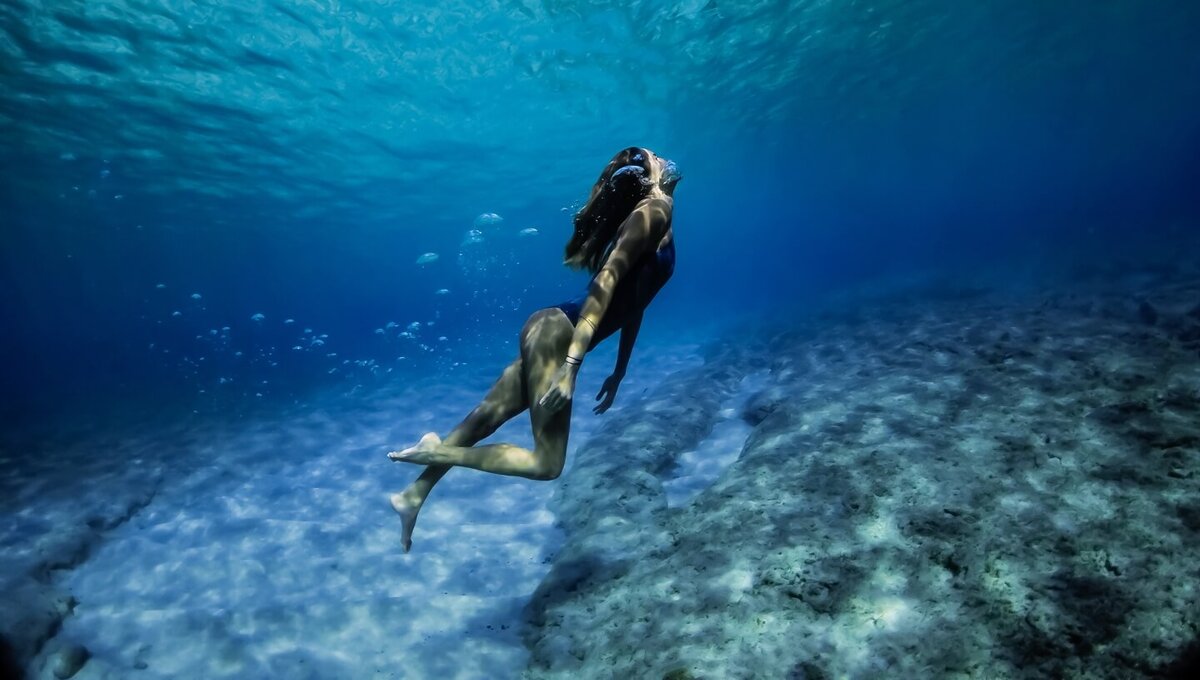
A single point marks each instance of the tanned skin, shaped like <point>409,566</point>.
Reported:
<point>541,379</point>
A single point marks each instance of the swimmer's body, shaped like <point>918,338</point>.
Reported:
<point>623,236</point>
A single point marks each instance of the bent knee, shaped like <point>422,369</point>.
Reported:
<point>547,473</point>
<point>548,467</point>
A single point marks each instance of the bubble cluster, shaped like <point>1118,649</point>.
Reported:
<point>254,360</point>
<point>267,355</point>
<point>487,220</point>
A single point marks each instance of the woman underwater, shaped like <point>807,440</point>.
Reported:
<point>623,237</point>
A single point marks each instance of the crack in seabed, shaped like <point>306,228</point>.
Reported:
<point>697,468</point>
<point>281,556</point>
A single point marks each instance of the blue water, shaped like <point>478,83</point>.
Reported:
<point>214,212</point>
<point>296,161</point>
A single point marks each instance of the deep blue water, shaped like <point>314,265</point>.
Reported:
<point>249,247</point>
<point>295,160</point>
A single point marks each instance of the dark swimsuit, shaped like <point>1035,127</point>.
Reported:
<point>634,291</point>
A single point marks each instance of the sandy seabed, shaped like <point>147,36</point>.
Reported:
<point>266,548</point>
<point>960,484</point>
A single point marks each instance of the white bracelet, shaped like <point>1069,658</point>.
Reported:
<point>573,363</point>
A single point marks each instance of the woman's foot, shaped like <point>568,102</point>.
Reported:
<point>424,453</point>
<point>407,505</point>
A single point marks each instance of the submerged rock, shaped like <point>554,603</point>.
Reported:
<point>969,491</point>
<point>30,614</point>
<point>762,404</point>
<point>68,660</point>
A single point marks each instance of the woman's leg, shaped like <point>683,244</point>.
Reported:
<point>504,400</point>
<point>544,341</point>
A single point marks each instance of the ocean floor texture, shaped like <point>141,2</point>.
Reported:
<point>967,485</point>
<point>268,549</point>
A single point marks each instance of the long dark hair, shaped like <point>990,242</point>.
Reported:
<point>598,220</point>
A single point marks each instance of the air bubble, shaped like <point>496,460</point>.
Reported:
<point>488,221</point>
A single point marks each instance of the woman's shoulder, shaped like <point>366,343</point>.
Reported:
<point>658,214</point>
<point>660,204</point>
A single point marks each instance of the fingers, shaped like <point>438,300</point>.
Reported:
<point>604,405</point>
<point>552,401</point>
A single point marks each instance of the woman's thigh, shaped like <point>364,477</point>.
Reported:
<point>544,342</point>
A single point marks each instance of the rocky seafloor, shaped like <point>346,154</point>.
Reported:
<point>963,485</point>
<point>950,483</point>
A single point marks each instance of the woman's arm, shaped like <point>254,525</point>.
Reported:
<point>629,333</point>
<point>608,391</point>
<point>643,229</point>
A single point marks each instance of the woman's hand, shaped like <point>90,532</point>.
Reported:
<point>609,392</point>
<point>562,388</point>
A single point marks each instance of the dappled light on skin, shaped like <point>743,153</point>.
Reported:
<point>542,379</point>
<point>940,418</point>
